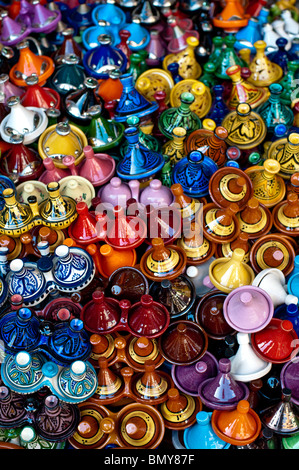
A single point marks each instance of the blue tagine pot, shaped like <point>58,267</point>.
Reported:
<point>27,373</point>
<point>98,62</point>
<point>131,102</point>
<point>90,35</point>
<point>193,173</point>
<point>140,37</point>
<point>139,162</point>
<point>108,12</point>
<point>201,434</point>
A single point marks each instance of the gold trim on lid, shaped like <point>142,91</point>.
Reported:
<point>272,244</point>
<point>150,428</point>
<point>86,441</point>
<point>139,359</point>
<point>227,252</point>
<point>215,227</point>
<point>293,222</point>
<point>163,266</point>
<point>153,392</point>
<point>253,228</point>
<point>246,129</point>
<point>182,415</point>
<point>108,390</point>
<point>226,193</point>
<point>195,252</point>
<point>108,352</point>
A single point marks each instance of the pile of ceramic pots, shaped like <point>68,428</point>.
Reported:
<point>149,222</point>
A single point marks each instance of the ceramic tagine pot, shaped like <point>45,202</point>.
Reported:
<point>282,334</point>
<point>105,315</point>
<point>125,231</point>
<point>30,122</point>
<point>132,101</point>
<point>201,93</point>
<point>179,411</point>
<point>274,112</point>
<point>178,295</point>
<point>256,307</point>
<point>244,92</point>
<point>181,116</point>
<point>77,104</point>
<point>187,378</point>
<point>268,187</point>
<point>39,97</point>
<point>139,162</point>
<point>183,343</point>
<point>255,219</point>
<point>285,214</point>
<point>198,249</point>
<point>163,262</point>
<point>210,143</point>
<point>226,274</point>
<point>240,426</point>
<point>229,185</point>
<point>232,17</point>
<point>273,281</point>
<point>127,283</point>
<point>246,129</point>
<point>285,151</point>
<point>61,140</point>
<point>282,418</point>
<point>97,168</point>
<point>231,391</point>
<point>99,60</point>
<point>246,366</point>
<point>201,434</point>
<point>193,173</point>
<point>220,225</point>
<point>273,251</point>
<point>30,64</point>
<point>117,192</point>
<point>20,162</point>
<point>263,71</point>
